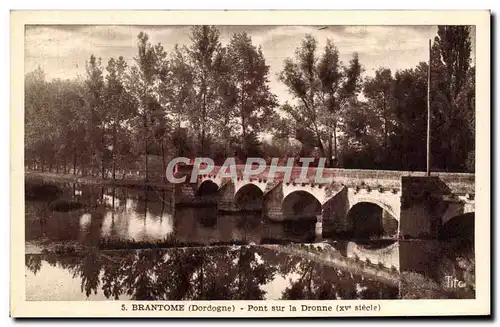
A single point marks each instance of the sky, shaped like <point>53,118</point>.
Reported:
<point>62,50</point>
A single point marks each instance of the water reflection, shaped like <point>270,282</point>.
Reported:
<point>120,218</point>
<point>137,215</point>
<point>220,273</point>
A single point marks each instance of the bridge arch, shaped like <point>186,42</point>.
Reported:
<point>370,218</point>
<point>367,199</point>
<point>459,227</point>
<point>207,188</point>
<point>241,183</point>
<point>317,191</point>
<point>300,204</point>
<point>249,197</point>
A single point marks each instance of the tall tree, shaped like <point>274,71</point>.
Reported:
<point>324,89</point>
<point>378,90</point>
<point>38,125</point>
<point>452,97</point>
<point>250,84</point>
<point>339,90</point>
<point>203,51</point>
<point>353,110</point>
<point>225,115</point>
<point>143,85</point>
<point>119,105</point>
<point>408,144</point>
<point>330,76</point>
<point>97,127</point>
<point>68,101</point>
<point>301,78</point>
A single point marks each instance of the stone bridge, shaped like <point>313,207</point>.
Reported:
<point>393,204</point>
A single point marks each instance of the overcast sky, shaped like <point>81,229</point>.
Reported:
<point>61,51</point>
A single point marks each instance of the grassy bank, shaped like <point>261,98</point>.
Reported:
<point>47,177</point>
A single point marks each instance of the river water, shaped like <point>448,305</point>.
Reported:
<point>136,245</point>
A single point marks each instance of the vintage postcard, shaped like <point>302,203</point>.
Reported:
<point>250,163</point>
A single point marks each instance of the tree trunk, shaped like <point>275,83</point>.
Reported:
<point>244,136</point>
<point>146,162</point>
<point>243,125</point>
<point>146,147</point>
<point>74,161</point>
<point>318,139</point>
<point>385,127</point>
<point>114,151</point>
<point>335,153</point>
<point>329,150</point>
<point>102,155</point>
<point>204,113</point>
<point>163,167</point>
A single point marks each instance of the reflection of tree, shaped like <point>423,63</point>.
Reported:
<point>139,277</point>
<point>218,273</point>
<point>176,274</point>
<point>317,281</point>
<point>320,282</point>
<point>251,274</point>
<point>33,262</point>
<point>89,271</point>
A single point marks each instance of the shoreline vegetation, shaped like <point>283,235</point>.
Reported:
<point>49,177</point>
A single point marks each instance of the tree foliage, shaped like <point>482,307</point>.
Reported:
<point>214,99</point>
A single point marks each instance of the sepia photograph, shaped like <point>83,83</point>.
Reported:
<point>201,162</point>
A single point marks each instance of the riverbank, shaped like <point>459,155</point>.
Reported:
<point>46,177</point>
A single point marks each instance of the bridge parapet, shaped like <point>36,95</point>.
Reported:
<point>420,203</point>
<point>458,183</point>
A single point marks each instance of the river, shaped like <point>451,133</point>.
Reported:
<point>133,244</point>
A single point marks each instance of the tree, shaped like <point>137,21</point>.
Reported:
<point>252,96</point>
<point>38,127</point>
<point>340,89</point>
<point>143,85</point>
<point>177,97</point>
<point>330,76</point>
<point>68,102</point>
<point>408,143</point>
<point>324,89</point>
<point>225,115</point>
<point>378,90</point>
<point>119,105</point>
<point>360,144</point>
<point>452,98</point>
<point>301,78</point>
<point>203,53</point>
<point>97,115</point>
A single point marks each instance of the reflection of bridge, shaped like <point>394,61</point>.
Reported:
<point>392,203</point>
